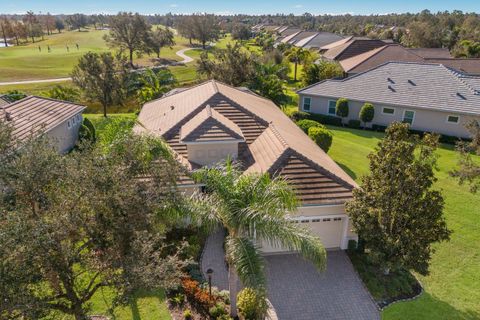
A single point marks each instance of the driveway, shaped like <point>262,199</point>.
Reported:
<point>297,290</point>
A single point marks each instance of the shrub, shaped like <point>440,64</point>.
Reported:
<point>217,310</point>
<point>352,246</point>
<point>252,304</point>
<point>63,93</point>
<point>325,119</point>
<point>14,95</point>
<point>377,127</point>
<point>178,299</point>
<point>187,314</point>
<point>341,108</point>
<point>354,124</point>
<point>298,115</point>
<point>306,124</point>
<point>367,112</point>
<point>322,137</point>
<point>87,131</point>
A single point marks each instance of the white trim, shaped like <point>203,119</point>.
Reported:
<point>299,218</point>
<point>450,122</point>
<point>344,242</point>
<point>388,114</point>
<point>309,104</point>
<point>328,108</point>
<point>413,119</point>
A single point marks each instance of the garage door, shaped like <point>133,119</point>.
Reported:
<point>329,230</point>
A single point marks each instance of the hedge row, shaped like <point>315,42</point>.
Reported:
<point>356,124</point>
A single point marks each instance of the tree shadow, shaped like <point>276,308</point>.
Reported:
<point>349,171</point>
<point>364,133</point>
<point>433,308</point>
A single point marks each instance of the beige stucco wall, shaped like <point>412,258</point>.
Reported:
<point>65,138</point>
<point>210,153</point>
<point>425,120</point>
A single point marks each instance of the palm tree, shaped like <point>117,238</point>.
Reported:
<point>253,207</point>
<point>297,55</point>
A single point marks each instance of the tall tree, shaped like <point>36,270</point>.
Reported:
<point>76,223</point>
<point>238,203</point>
<point>6,29</point>
<point>395,209</point>
<point>158,39</point>
<point>205,28</point>
<point>101,77</point>
<point>128,31</point>
<point>153,84</point>
<point>297,55</point>
<point>185,28</point>
<point>241,31</point>
<point>49,23</point>
<point>33,27</point>
<point>469,168</point>
<point>77,21</point>
<point>59,25</point>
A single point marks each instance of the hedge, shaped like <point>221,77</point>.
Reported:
<point>306,124</point>
<point>356,124</point>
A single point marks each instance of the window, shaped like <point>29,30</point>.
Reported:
<point>305,221</point>
<point>316,220</point>
<point>332,107</point>
<point>388,111</point>
<point>306,103</point>
<point>408,116</point>
<point>326,219</point>
<point>69,124</point>
<point>337,219</point>
<point>74,120</point>
<point>453,119</point>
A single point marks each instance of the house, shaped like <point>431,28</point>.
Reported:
<point>430,97</point>
<point>432,53</point>
<point>209,122</point>
<point>311,39</point>
<point>58,120</point>
<point>396,52</point>
<point>349,47</point>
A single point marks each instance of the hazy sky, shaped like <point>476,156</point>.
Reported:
<point>237,6</point>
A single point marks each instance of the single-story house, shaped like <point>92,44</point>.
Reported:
<point>398,53</point>
<point>349,47</point>
<point>430,97</point>
<point>58,120</point>
<point>311,39</point>
<point>209,122</point>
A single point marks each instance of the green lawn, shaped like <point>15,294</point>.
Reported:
<point>451,289</point>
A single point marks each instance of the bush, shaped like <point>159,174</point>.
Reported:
<point>63,93</point>
<point>178,299</point>
<point>352,246</point>
<point>367,112</point>
<point>342,108</point>
<point>377,127</point>
<point>306,124</point>
<point>87,131</point>
<point>217,310</point>
<point>187,314</point>
<point>325,119</point>
<point>322,137</point>
<point>298,115</point>
<point>356,124</point>
<point>252,304</point>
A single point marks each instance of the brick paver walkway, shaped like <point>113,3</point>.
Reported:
<point>297,290</point>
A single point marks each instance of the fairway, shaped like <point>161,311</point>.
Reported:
<point>451,289</point>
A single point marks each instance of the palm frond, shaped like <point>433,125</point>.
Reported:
<point>245,257</point>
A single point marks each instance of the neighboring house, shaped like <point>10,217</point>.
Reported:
<point>349,47</point>
<point>432,53</point>
<point>209,122</point>
<point>311,39</point>
<point>430,97</point>
<point>58,120</point>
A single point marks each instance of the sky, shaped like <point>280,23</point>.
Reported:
<point>237,6</point>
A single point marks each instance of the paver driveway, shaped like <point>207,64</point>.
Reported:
<point>297,290</point>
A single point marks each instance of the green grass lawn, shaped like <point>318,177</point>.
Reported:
<point>451,289</point>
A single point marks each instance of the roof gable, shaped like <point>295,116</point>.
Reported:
<point>353,47</point>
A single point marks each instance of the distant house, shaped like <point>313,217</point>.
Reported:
<point>430,97</point>
<point>58,120</point>
<point>432,53</point>
<point>349,47</point>
<point>311,39</point>
<point>209,122</point>
<point>398,53</point>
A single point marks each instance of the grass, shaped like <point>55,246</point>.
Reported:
<point>451,288</point>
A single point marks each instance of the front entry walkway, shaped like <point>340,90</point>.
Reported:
<point>297,290</point>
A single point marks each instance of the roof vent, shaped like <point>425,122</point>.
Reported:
<point>172,107</point>
<point>392,89</point>
<point>411,82</point>
<point>8,116</point>
<point>390,80</point>
<point>461,96</point>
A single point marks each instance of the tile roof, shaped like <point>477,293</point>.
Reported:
<point>271,138</point>
<point>317,40</point>
<point>210,125</point>
<point>33,115</point>
<point>416,85</point>
<point>352,47</point>
<point>470,66</point>
<point>378,56</point>
<point>4,101</point>
<point>432,53</point>
<point>336,43</point>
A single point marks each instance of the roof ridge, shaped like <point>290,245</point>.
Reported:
<point>278,135</point>
<point>215,87</point>
<point>458,75</point>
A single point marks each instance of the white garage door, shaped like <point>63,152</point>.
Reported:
<point>329,230</point>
